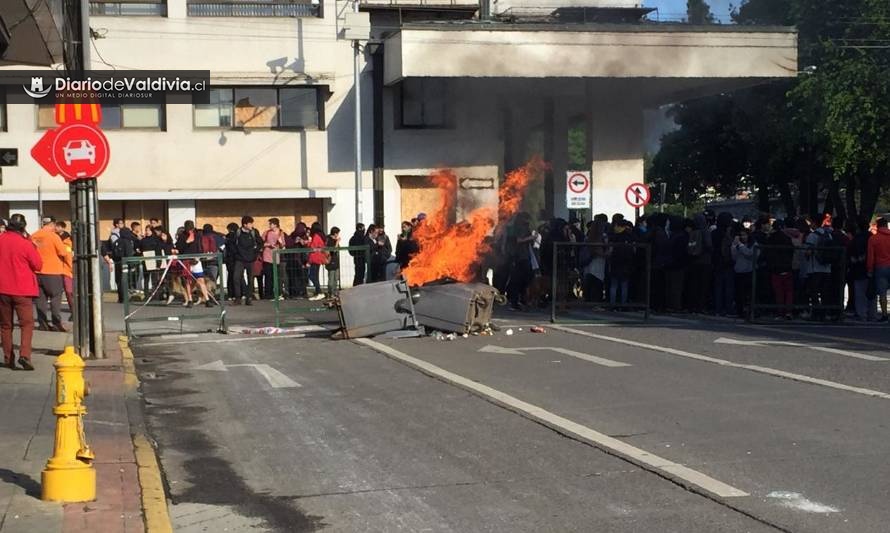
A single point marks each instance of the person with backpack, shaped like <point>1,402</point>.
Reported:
<point>878,263</point>
<point>190,242</point>
<point>229,259</point>
<point>211,243</point>
<point>124,244</point>
<point>333,266</point>
<point>317,258</point>
<point>621,262</point>
<point>246,244</point>
<point>779,259</point>
<point>359,258</point>
<point>820,257</point>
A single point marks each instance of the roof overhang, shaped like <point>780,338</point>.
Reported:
<point>33,35</point>
<point>625,51</point>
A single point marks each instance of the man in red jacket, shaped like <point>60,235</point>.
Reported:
<point>19,262</point>
<point>877,263</point>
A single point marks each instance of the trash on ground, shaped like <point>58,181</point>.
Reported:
<point>537,329</point>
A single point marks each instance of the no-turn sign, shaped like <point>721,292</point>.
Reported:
<point>638,195</point>
<point>578,189</point>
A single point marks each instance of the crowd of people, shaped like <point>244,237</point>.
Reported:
<point>810,267</point>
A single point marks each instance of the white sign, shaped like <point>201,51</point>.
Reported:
<point>578,189</point>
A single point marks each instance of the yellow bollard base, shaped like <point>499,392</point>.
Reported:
<point>69,484</point>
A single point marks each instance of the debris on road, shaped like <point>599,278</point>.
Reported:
<point>537,329</point>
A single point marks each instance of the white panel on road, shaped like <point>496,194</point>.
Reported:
<point>730,364</point>
<point>633,454</point>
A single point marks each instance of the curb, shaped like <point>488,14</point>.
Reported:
<point>151,484</point>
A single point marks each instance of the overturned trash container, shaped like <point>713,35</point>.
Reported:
<point>458,307</point>
<point>375,308</point>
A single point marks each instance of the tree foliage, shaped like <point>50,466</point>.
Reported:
<point>698,12</point>
<point>825,134</point>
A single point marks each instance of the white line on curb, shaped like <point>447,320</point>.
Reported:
<point>633,454</point>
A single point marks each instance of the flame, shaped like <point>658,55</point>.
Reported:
<point>449,250</point>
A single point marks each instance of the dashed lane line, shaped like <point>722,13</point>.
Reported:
<point>723,362</point>
<point>667,469</point>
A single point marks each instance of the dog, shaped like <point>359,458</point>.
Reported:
<point>176,288</point>
<point>539,289</point>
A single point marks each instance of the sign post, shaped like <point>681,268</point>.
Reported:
<point>577,189</point>
<point>79,152</point>
<point>637,196</point>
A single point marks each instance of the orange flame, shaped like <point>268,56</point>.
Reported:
<point>453,251</point>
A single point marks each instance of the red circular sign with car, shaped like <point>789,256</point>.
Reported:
<point>80,151</point>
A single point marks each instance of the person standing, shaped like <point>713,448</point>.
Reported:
<point>247,244</point>
<point>779,256</point>
<point>189,243</point>
<point>19,263</point>
<point>380,254</point>
<point>56,259</point>
<point>863,298</point>
<point>67,270</point>
<point>273,239</point>
<point>333,266</point>
<point>743,258</point>
<point>359,258</point>
<point>878,263</point>
<point>317,257</point>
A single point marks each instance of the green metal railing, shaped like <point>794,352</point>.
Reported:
<point>166,275</point>
<point>564,262</point>
<point>289,262</point>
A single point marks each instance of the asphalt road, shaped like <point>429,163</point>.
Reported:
<point>674,425</point>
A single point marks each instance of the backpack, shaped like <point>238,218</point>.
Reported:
<point>122,248</point>
<point>208,244</point>
<point>828,249</point>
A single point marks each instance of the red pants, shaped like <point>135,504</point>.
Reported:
<point>22,306</point>
<point>783,288</point>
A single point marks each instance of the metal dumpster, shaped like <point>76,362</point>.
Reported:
<point>458,307</point>
<point>375,308</point>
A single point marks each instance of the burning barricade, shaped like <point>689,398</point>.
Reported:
<point>440,288</point>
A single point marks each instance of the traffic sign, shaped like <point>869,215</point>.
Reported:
<point>578,189</point>
<point>76,151</point>
<point>9,157</point>
<point>638,195</point>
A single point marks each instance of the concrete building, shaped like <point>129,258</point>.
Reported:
<point>444,83</point>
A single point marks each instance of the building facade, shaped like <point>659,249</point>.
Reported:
<point>445,83</point>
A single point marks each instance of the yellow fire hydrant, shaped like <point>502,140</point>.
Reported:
<point>69,475</point>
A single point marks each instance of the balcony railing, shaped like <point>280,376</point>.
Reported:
<point>139,9</point>
<point>275,8</point>
<point>413,3</point>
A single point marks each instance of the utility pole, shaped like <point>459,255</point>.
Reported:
<point>357,91</point>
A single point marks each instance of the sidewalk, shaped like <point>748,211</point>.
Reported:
<point>26,442</point>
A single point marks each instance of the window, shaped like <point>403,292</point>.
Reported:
<point>114,116</point>
<point>261,107</point>
<point>3,109</point>
<point>422,103</point>
<point>255,8</point>
<point>156,8</point>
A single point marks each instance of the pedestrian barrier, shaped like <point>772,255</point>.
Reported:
<point>806,292</point>
<point>291,274</point>
<point>155,294</point>
<point>606,276</point>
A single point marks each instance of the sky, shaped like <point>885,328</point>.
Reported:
<point>675,8</point>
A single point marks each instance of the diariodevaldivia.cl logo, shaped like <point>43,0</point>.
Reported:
<point>37,90</point>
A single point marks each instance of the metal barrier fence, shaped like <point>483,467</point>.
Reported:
<point>815,294</point>
<point>156,290</point>
<point>291,276</point>
<point>614,276</point>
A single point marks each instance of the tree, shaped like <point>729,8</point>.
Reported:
<point>699,12</point>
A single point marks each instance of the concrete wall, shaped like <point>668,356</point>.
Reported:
<point>610,52</point>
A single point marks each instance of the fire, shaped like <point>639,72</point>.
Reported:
<point>453,250</point>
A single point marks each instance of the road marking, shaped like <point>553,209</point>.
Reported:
<point>226,339</point>
<point>795,500</point>
<point>678,473</point>
<point>723,362</point>
<point>586,357</point>
<point>826,349</point>
<point>861,342</point>
<point>275,378</point>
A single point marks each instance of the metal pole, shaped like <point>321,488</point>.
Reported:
<point>357,88</point>
<point>95,277</point>
<point>554,287</point>
<point>85,35</point>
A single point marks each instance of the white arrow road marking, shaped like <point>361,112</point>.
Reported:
<point>826,349</point>
<point>648,461</point>
<point>571,353</point>
<point>275,378</point>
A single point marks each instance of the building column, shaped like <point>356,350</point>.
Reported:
<point>177,9</point>
<point>178,211</point>
<point>616,152</point>
<point>30,211</point>
<point>559,160</point>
